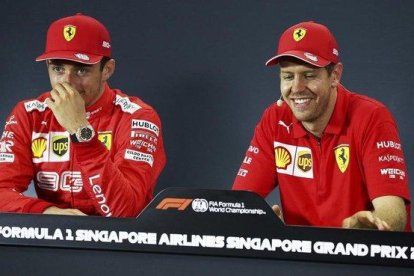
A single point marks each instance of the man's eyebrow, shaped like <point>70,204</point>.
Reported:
<point>310,70</point>
<point>54,62</point>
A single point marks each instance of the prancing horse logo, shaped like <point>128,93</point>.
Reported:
<point>342,157</point>
<point>299,34</point>
<point>69,32</point>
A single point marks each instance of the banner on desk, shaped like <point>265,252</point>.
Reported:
<point>209,222</point>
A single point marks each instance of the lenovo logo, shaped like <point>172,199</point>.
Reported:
<point>174,203</point>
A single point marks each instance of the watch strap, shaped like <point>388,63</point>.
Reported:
<point>73,138</point>
<point>79,135</point>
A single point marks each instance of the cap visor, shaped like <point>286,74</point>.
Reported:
<point>304,56</point>
<point>72,56</point>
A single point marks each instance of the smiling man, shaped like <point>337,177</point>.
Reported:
<point>335,155</point>
<point>89,149</point>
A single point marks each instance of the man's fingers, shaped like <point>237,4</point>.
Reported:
<point>372,221</point>
<point>50,103</point>
<point>350,222</point>
<point>387,226</point>
<point>346,223</point>
<point>278,211</point>
<point>62,91</point>
<point>58,94</point>
<point>77,212</point>
<point>53,210</point>
<point>68,88</point>
<point>54,94</point>
<point>365,219</point>
<point>382,225</point>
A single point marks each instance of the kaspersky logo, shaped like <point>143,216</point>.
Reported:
<point>60,145</point>
<point>283,158</point>
<point>38,147</point>
<point>179,204</point>
<point>69,32</point>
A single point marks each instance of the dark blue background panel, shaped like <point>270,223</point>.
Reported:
<point>201,65</point>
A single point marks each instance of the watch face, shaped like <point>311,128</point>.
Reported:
<point>86,133</point>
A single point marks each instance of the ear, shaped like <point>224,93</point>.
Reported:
<point>336,74</point>
<point>108,70</point>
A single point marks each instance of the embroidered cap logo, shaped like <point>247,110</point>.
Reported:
<point>69,32</point>
<point>299,34</point>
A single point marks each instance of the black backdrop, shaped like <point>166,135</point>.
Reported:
<point>201,65</point>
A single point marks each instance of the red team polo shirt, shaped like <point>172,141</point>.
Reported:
<point>323,181</point>
<point>112,175</point>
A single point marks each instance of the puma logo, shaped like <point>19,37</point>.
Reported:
<point>285,125</point>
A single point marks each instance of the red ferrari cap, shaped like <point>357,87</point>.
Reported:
<point>79,38</point>
<point>308,41</point>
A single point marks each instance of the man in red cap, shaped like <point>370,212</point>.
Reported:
<point>89,149</point>
<point>335,155</point>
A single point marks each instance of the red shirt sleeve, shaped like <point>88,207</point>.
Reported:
<point>16,168</point>
<point>257,172</point>
<point>123,185</point>
<point>384,163</point>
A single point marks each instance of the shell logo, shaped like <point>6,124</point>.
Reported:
<point>283,158</point>
<point>39,147</point>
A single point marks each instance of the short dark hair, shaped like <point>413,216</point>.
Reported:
<point>104,60</point>
<point>329,68</point>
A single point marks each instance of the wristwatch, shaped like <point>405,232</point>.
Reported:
<point>83,134</point>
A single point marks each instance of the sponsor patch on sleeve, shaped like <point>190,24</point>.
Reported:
<point>35,105</point>
<point>11,121</point>
<point>6,157</point>
<point>139,156</point>
<point>139,143</point>
<point>393,173</point>
<point>144,135</point>
<point>6,150</point>
<point>147,125</point>
<point>126,105</point>
<point>388,145</point>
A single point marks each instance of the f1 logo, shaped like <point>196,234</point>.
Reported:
<point>174,203</point>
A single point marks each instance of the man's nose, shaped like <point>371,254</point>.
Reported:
<point>68,77</point>
<point>298,84</point>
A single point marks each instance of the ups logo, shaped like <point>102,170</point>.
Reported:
<point>304,161</point>
<point>60,145</point>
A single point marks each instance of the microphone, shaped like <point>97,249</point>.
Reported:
<point>280,101</point>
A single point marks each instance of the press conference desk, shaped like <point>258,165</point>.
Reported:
<point>180,233</point>
<point>46,261</point>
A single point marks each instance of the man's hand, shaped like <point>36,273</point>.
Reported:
<point>59,211</point>
<point>278,211</point>
<point>68,107</point>
<point>389,214</point>
<point>367,220</point>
